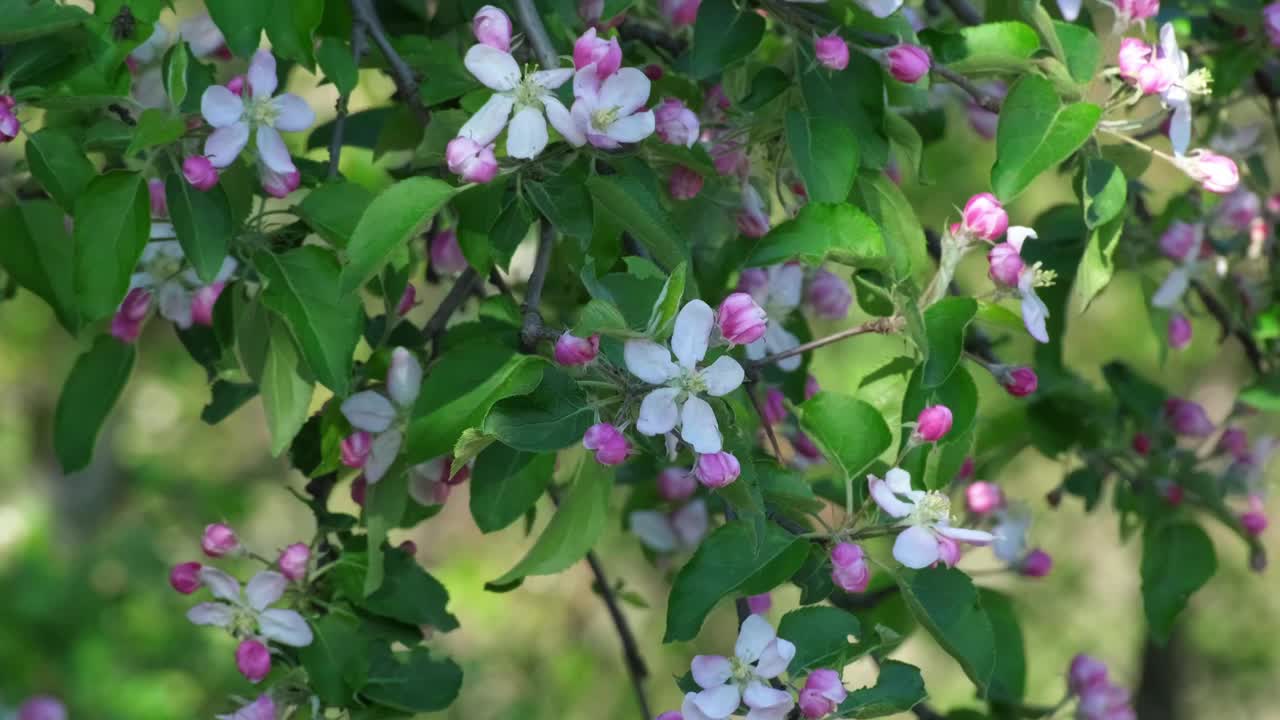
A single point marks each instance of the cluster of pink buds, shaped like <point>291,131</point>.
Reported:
<point>822,694</point>
<point>849,569</point>
<point>1099,699</point>
<point>10,126</point>
<point>682,525</point>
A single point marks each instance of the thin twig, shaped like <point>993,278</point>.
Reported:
<point>879,325</point>
<point>630,649</point>
<point>1229,326</point>
<point>401,73</point>
<point>457,295</point>
<point>633,30</point>
<point>358,38</point>
<point>537,34</point>
<point>964,12</point>
<point>985,100</point>
<point>764,421</point>
<point>123,113</point>
<point>531,328</point>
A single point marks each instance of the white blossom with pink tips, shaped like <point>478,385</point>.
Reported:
<point>611,111</point>
<point>525,99</point>
<point>250,612</point>
<point>679,530</point>
<point>759,656</point>
<point>384,415</point>
<point>235,118</point>
<point>164,272</point>
<point>926,517</point>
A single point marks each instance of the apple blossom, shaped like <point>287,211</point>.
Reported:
<point>832,51</point>
<point>730,160</point>
<point>237,84</point>
<point>235,118</point>
<point>675,123</point>
<point>932,424</point>
<point>1019,381</point>
<point>446,253</point>
<point>684,184</point>
<point>127,323</point>
<point>264,708</point>
<point>759,604</point>
<point>609,111</point>
<point>1271,22</point>
<point>678,531</point>
<point>1134,55</point>
<point>250,612</point>
<point>155,191</point>
<point>162,271</point>
<point>1187,418</point>
<point>779,296</point>
<point>828,295</point>
<point>907,63</point>
<point>1132,11</point>
<point>880,8</point>
<point>219,540</point>
<point>676,484</point>
<point>1036,564</point>
<point>185,577</point>
<point>849,569</point>
<point>948,552</point>
<point>925,517</point>
<point>985,218</point>
<point>1005,263</point>
<point>1254,520</point>
<point>1034,311</point>
<point>373,413</point>
<point>492,27</point>
<point>759,656</point>
<point>610,445</point>
<point>293,561</point>
<point>1215,173</point>
<point>1179,331</point>
<point>199,171</point>
<point>572,350</point>
<point>527,99</point>
<point>822,693</point>
<point>42,707</point>
<point>253,660</point>
<point>717,469</point>
<point>408,300</point>
<point>1086,673</point>
<point>740,320</point>
<point>431,482</point>
<point>677,399</point>
<point>203,300</point>
<point>590,49</point>
<point>10,126</point>
<point>355,448</point>
<point>983,497</point>
<point>1235,442</point>
<point>752,218</point>
<point>203,37</point>
<point>1070,9</point>
<point>472,161</point>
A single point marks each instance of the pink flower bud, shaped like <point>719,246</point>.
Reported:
<point>203,301</point>
<point>983,121</point>
<point>675,123</point>
<point>10,126</point>
<point>1020,381</point>
<point>653,71</point>
<point>408,300</point>
<point>1271,21</point>
<point>1187,418</point>
<point>159,207</point>
<point>610,444</point>
<point>404,378</point>
<point>759,604</point>
<point>218,540</point>
<point>805,447</point>
<point>1215,173</point>
<point>983,497</point>
<point>679,12</point>
<point>571,350</point>
<point>1181,239</point>
<point>446,253</point>
<point>716,470</point>
<point>685,184</point>
<point>822,693</point>
<point>676,484</point>
<point>730,159</point>
<point>984,217</point>
<point>811,387</point>
<point>590,49</point>
<point>1235,442</point>
<point>1036,564</point>
<point>1239,210</point>
<point>1179,331</point>
<point>1133,56</point>
<point>408,547</point>
<point>293,561</point>
<point>1172,492</point>
<point>907,63</point>
<point>948,551</point>
<point>966,471</point>
<point>932,423</point>
<point>278,185</point>
<point>671,715</point>
<point>42,707</point>
<point>1254,522</point>
<point>1156,76</point>
<point>185,577</point>
<point>1086,673</point>
<point>7,102</point>
<point>775,406</point>
<point>492,27</point>
<point>828,295</point>
<point>741,320</point>
<point>452,477</point>
<point>1006,264</point>
<point>253,660</point>
<point>1128,11</point>
<point>126,324</point>
<point>355,449</point>
<point>471,161</point>
<point>359,487</point>
<point>752,219</point>
<point>1141,443</point>
<point>849,570</point>
<point>832,52</point>
<point>199,172</point>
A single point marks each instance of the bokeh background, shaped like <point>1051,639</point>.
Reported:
<point>86,612</point>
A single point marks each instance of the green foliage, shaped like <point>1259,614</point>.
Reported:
<point>1036,133</point>
<point>723,35</point>
<point>394,216</point>
<point>202,222</point>
<point>90,391</point>
<point>850,432</point>
<point>112,223</point>
<point>990,47</point>
<point>1177,560</point>
<point>826,154</point>
<point>506,483</point>
<point>821,636</point>
<point>837,231</point>
<point>898,689</point>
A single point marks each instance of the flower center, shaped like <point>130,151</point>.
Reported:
<point>742,671</point>
<point>692,382</point>
<point>1199,82</point>
<point>262,112</point>
<point>528,93</point>
<point>602,119</point>
<point>163,267</point>
<point>933,508</point>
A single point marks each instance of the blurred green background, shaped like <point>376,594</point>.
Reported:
<point>87,613</point>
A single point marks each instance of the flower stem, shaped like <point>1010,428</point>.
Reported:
<point>883,326</point>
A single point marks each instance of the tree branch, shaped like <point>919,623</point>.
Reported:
<point>401,73</point>
<point>458,294</point>
<point>653,37</point>
<point>768,426</point>
<point>358,38</point>
<point>630,649</point>
<point>964,12</point>
<point>878,325</point>
<point>1229,326</point>
<point>986,101</point>
<point>531,329</point>
<point>537,34</point>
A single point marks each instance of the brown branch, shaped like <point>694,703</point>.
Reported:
<point>630,649</point>
<point>878,325</point>
<point>985,100</point>
<point>537,34</point>
<point>1229,327</point>
<point>768,426</point>
<point>531,328</point>
<point>457,295</point>
<point>403,75</point>
<point>358,38</point>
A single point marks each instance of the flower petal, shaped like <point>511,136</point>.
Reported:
<point>1180,127</point>
<point>285,626</point>
<point>690,523</point>
<point>369,411</point>
<point>916,547</point>
<point>887,500</point>
<point>711,671</point>
<point>224,144</point>
<point>778,339</point>
<point>264,589</point>
<point>775,658</point>
<point>719,702</point>
<point>175,304</point>
<point>563,121</point>
<point>489,120</point>
<point>272,150</point>
<point>965,535</point>
<point>658,412</point>
<point>632,128</point>
<point>1034,314</point>
<point>262,75</point>
<point>627,89</point>
<point>753,637</point>
<point>383,453</point>
<point>899,480</point>
<point>786,286</point>
<point>220,584</point>
<point>1070,9</point>
<point>881,8</point>
<point>649,361</point>
<point>497,70</point>
<point>552,79</point>
<point>766,702</point>
<point>692,332</point>
<point>689,708</point>
<point>211,613</point>
<point>293,113</point>
<point>1016,235</point>
<point>722,376</point>
<point>699,428</point>
<point>527,134</point>
<point>220,107</point>
<point>1172,289</point>
<point>653,529</point>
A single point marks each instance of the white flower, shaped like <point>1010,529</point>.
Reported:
<point>528,96</point>
<point>1178,280</point>
<point>1034,311</point>
<point>669,532</point>
<point>1182,84</point>
<point>925,515</point>
<point>234,118</point>
<point>250,613</point>
<point>879,8</point>
<point>163,271</point>
<point>612,112</point>
<point>1070,9</point>
<point>779,296</point>
<point>678,400</point>
<point>1013,522</point>
<point>202,35</point>
<point>373,413</point>
<point>759,656</point>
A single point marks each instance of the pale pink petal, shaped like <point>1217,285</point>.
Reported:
<point>766,703</point>
<point>1070,9</point>
<point>717,703</point>
<point>563,121</point>
<point>265,588</point>
<point>887,500</point>
<point>690,523</point>
<point>1034,314</point>
<point>699,428</point>
<point>369,411</point>
<point>1172,289</point>
<point>753,637</point>
<point>586,87</point>
<point>272,150</point>
<point>654,530</point>
<point>497,70</point>
<point>786,285</point>
<point>711,671</point>
<point>722,376</point>
<point>489,120</point>
<point>627,89</point>
<point>552,79</point>
<point>224,144</point>
<point>211,613</point>
<point>689,708</point>
<point>285,626</point>
<point>175,304</point>
<point>1180,127</point>
<point>916,547</point>
<point>262,75</point>
<point>294,114</point>
<point>527,134</point>
<point>778,339</point>
<point>899,481</point>
<point>658,412</point>
<point>386,447</point>
<point>649,361</point>
<point>1016,235</point>
<point>220,584</point>
<point>692,332</point>
<point>965,535</point>
<point>220,107</point>
<point>775,658</point>
<point>632,128</point>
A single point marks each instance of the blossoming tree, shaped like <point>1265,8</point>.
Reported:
<point>701,183</point>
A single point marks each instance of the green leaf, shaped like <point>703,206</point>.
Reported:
<point>58,163</point>
<point>1036,132</point>
<point>24,21</point>
<point>91,390</point>
<point>1097,265</point>
<point>907,137</point>
<point>945,322</point>
<point>112,225</point>
<point>505,484</point>
<point>945,602</point>
<point>850,432</point>
<point>663,317</point>
<point>854,96</point>
<point>574,528</point>
<point>337,659</point>
<point>820,635</point>
<point>898,689</point>
<point>334,209</point>
<point>413,681</point>
<point>241,22</point>
<point>460,390</point>
<point>636,208</point>
<point>602,317</point>
<point>722,35</point>
<point>566,202</point>
<point>177,63</point>
<point>1082,50</point>
<point>768,83</point>
<point>338,65</point>
<point>990,47</point>
<point>302,288</point>
<point>826,154</point>
<point>903,237</point>
<point>37,253</point>
<point>1009,679</point>
<point>156,127</point>
<point>1177,559</point>
<point>1103,191</point>
<point>202,222</point>
<point>286,388</point>
<point>731,559</point>
<point>998,316</point>
<point>553,416</point>
<point>838,231</point>
<point>408,593</point>
<point>394,218</point>
<point>291,25</point>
